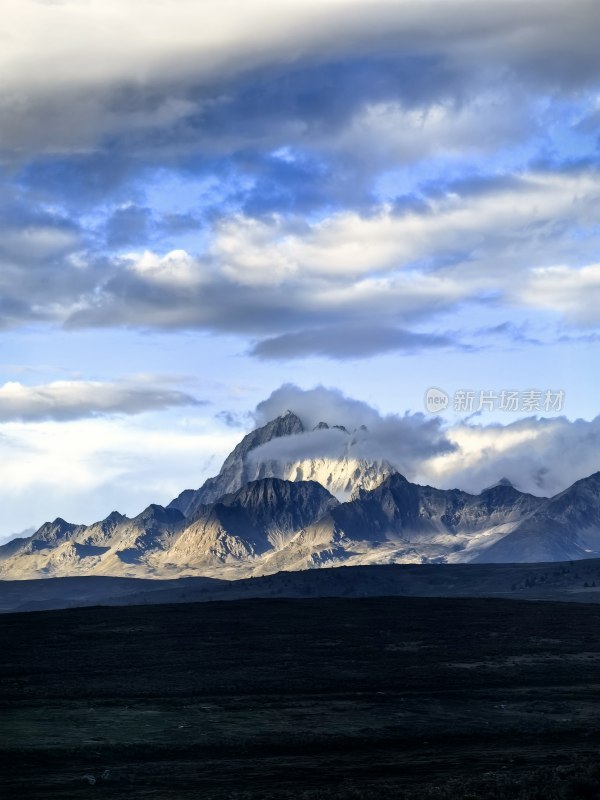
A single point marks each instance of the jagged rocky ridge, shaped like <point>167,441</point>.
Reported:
<point>340,475</point>
<point>263,525</point>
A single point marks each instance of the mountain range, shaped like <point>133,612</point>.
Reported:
<point>282,501</point>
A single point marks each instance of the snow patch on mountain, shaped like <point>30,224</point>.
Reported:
<point>283,448</point>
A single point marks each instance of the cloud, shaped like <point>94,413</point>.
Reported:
<point>404,440</point>
<point>202,91</point>
<point>41,275</point>
<point>129,225</point>
<point>539,455</point>
<point>351,342</point>
<point>542,456</point>
<point>201,67</point>
<point>329,443</point>
<point>287,277</point>
<point>301,286</point>
<point>82,470</point>
<point>178,290</point>
<point>321,404</point>
<point>575,293</point>
<point>443,129</point>
<point>71,400</point>
<point>31,232</point>
<point>329,163</point>
<point>481,229</point>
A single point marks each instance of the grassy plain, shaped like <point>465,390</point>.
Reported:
<point>318,699</point>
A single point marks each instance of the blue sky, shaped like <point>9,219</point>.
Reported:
<point>202,202</point>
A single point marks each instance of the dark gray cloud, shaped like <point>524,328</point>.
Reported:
<point>69,400</point>
<point>352,342</point>
<point>39,277</point>
<point>224,305</point>
<point>87,139</point>
<point>31,234</point>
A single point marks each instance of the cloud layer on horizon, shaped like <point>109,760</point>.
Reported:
<point>539,455</point>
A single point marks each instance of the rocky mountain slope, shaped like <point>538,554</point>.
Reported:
<point>401,522</point>
<point>237,529</point>
<point>238,525</point>
<point>263,515</point>
<point>341,474</point>
<point>566,526</point>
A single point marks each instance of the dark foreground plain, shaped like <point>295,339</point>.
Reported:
<point>317,699</point>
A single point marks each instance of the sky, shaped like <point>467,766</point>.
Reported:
<point>212,209</point>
